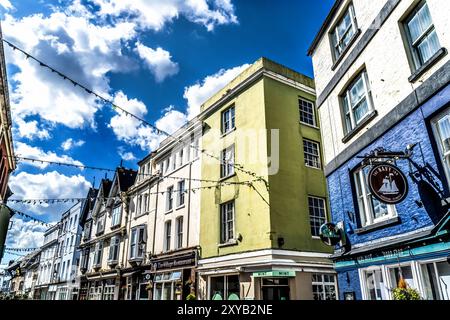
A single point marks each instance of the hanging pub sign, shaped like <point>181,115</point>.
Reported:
<point>330,234</point>
<point>388,183</point>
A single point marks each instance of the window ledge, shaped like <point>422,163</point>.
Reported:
<point>309,125</point>
<point>169,211</point>
<point>378,225</point>
<point>359,127</point>
<point>115,227</point>
<point>141,215</point>
<point>227,177</point>
<point>180,207</point>
<point>350,44</point>
<point>424,68</point>
<point>227,133</point>
<point>230,243</point>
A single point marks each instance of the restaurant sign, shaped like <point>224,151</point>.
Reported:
<point>176,262</point>
<point>388,183</point>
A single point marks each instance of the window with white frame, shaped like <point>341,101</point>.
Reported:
<point>317,214</point>
<point>228,120</point>
<point>145,204</point>
<point>114,250</point>
<point>324,286</point>
<point>227,165</point>
<point>98,254</point>
<point>116,216</point>
<point>402,271</point>
<point>344,31</point>
<point>169,199</point>
<point>435,276</point>
<point>174,161</point>
<point>441,130</point>
<point>196,147</point>
<point>138,205</point>
<point>421,34</point>
<point>227,219</point>
<point>181,158</point>
<point>307,114</point>
<point>179,240</point>
<point>108,292</point>
<point>167,235</point>
<point>370,209</point>
<point>138,239</point>
<point>356,102</point>
<point>311,151</point>
<point>181,193</point>
<point>101,224</point>
<point>374,285</point>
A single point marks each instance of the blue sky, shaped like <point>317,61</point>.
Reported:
<point>159,59</point>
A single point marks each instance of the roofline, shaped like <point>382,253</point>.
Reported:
<point>325,26</point>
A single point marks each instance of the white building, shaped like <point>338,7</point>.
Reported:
<point>46,265</point>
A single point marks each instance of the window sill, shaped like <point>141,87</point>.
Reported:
<point>314,168</point>
<point>112,263</point>
<point>309,125</point>
<point>115,227</point>
<point>228,244</point>
<point>424,68</point>
<point>168,211</point>
<point>360,126</point>
<point>378,225</point>
<point>227,177</point>
<point>180,207</point>
<point>347,49</point>
<point>223,135</point>
<point>141,215</point>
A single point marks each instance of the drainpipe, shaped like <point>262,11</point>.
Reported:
<point>189,205</point>
<point>156,212</point>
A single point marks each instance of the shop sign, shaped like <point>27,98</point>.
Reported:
<point>188,260</point>
<point>330,234</point>
<point>388,183</point>
<point>263,274</point>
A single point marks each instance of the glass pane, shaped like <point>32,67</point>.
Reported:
<point>430,284</point>
<point>357,92</point>
<point>167,291</point>
<point>233,287</point>
<point>443,269</point>
<point>406,272</point>
<point>419,23</point>
<point>379,209</point>
<point>361,111</point>
<point>444,132</point>
<point>217,288</point>
<point>429,46</point>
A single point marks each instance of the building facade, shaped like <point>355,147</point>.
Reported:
<point>104,241</point>
<point>382,78</point>
<point>259,224</point>
<point>44,290</point>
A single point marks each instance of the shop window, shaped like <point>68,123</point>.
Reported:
<point>108,293</point>
<point>224,288</point>
<point>275,289</point>
<point>371,210</point>
<point>375,285</point>
<point>324,287</point>
<point>356,102</point>
<point>396,273</point>
<point>166,284</point>
<point>436,280</point>
<point>421,34</point>
<point>441,130</point>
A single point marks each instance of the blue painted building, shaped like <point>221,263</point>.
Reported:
<point>383,80</point>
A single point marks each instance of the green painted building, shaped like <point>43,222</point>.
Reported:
<point>259,233</point>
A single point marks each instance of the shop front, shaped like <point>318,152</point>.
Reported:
<point>174,276</point>
<point>137,284</point>
<point>102,287</point>
<point>267,275</point>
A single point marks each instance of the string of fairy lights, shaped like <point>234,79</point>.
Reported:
<point>117,108</point>
<point>217,184</point>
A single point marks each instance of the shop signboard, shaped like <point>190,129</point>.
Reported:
<point>273,274</point>
<point>388,183</point>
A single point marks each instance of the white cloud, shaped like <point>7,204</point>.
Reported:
<point>127,156</point>
<point>26,151</point>
<point>6,4</point>
<point>156,13</point>
<point>85,51</point>
<point>50,185</point>
<point>70,144</point>
<point>198,93</point>
<point>25,234</point>
<point>158,61</point>
<point>136,133</point>
<point>29,130</point>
